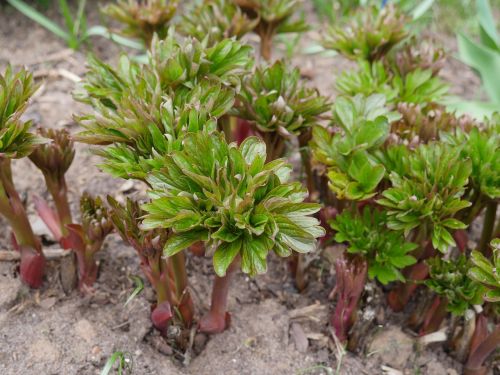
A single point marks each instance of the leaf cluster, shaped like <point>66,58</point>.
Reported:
<point>216,20</point>
<point>230,198</point>
<point>370,34</point>
<point>448,278</point>
<point>386,251</point>
<point>142,18</point>
<point>274,99</point>
<point>16,140</point>
<point>416,86</point>
<point>353,172</point>
<point>429,193</point>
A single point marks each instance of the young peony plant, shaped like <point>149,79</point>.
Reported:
<point>16,141</point>
<point>142,18</point>
<point>274,17</point>
<point>370,35</point>
<point>216,20</point>
<point>230,198</point>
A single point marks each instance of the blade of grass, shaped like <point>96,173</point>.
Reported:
<point>39,18</point>
<point>139,286</point>
<point>105,33</point>
<point>80,20</point>
<point>66,13</point>
<point>121,357</point>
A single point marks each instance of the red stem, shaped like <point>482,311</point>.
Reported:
<point>218,319</point>
<point>434,316</point>
<point>479,354</point>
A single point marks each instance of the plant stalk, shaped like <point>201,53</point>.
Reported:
<point>477,357</point>
<point>186,307</point>
<point>488,226</point>
<point>11,206</point>
<point>218,319</point>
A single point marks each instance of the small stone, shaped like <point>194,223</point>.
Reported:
<point>85,330</point>
<point>392,346</point>
<point>200,340</point>
<point>299,337</point>
<point>47,303</point>
<point>159,344</point>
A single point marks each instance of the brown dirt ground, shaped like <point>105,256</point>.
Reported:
<point>49,332</point>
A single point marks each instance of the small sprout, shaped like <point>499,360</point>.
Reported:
<point>139,287</point>
<point>124,361</point>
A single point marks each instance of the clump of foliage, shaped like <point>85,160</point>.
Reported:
<point>216,20</point>
<point>142,114</point>
<point>449,279</point>
<point>142,19</point>
<point>229,198</point>
<point>279,106</point>
<point>17,141</point>
<point>367,234</point>
<point>370,34</point>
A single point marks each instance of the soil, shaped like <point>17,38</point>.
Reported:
<point>275,329</point>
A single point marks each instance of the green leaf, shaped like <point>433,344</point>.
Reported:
<point>180,241</point>
<point>224,256</point>
<point>453,224</point>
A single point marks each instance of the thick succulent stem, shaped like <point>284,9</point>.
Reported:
<point>266,46</point>
<point>218,319</point>
<point>11,206</point>
<point>479,354</point>
<point>488,226</point>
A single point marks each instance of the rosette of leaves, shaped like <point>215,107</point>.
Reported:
<point>429,195</point>
<point>274,17</point>
<point>279,105</point>
<point>424,123</point>
<point>417,54</point>
<point>215,20</point>
<point>17,141</point>
<point>370,34</point>
<point>418,86</point>
<point>449,279</point>
<point>385,251</point>
<point>142,19</point>
<point>486,272</point>
<point>230,198</point>
<point>353,172</point>
<point>170,293</point>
